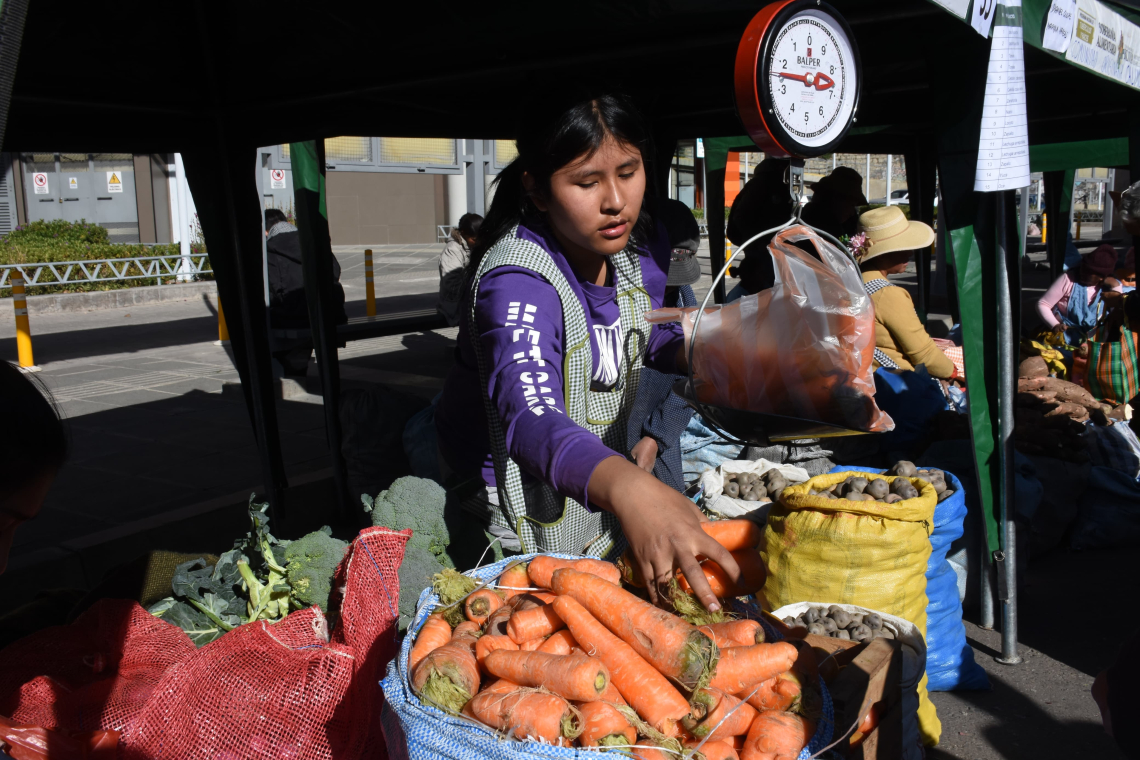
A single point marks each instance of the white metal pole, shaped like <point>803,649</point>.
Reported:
<point>867,177</point>
<point>184,267</point>
<point>890,160</point>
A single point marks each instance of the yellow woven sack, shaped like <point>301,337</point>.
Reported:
<point>867,553</point>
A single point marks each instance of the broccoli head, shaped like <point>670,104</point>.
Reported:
<point>416,503</point>
<point>310,563</point>
<point>416,572</point>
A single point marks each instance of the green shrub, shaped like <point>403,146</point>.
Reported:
<point>44,242</point>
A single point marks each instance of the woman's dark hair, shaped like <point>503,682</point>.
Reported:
<point>469,225</point>
<point>885,261</point>
<point>274,216</point>
<point>35,443</point>
<point>545,145</point>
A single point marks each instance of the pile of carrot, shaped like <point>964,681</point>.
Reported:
<point>558,651</point>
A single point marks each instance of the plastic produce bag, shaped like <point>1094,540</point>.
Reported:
<point>802,348</point>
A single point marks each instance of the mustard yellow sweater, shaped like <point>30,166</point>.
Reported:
<point>899,333</point>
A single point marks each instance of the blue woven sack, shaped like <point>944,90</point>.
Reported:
<point>949,659</point>
<point>420,732</point>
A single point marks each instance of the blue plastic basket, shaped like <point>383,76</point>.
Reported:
<point>421,732</point>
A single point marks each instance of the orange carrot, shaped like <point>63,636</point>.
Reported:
<point>776,736</point>
<point>630,572</point>
<point>497,622</point>
<point>435,633</point>
<point>742,667</point>
<point>543,596</point>
<point>448,676</point>
<point>534,623</point>
<point>571,676</point>
<point>466,628</point>
<point>525,713</point>
<point>781,693</point>
<point>734,535</point>
<point>649,693</point>
<point>735,633</point>
<point>514,580</point>
<point>542,568</point>
<point>559,642</point>
<point>488,644</point>
<point>481,604</point>
<point>533,645</point>
<point>710,708</point>
<point>738,742</point>
<point>867,725</point>
<point>611,695</point>
<point>714,750</point>
<point>675,648</point>
<point>753,573</point>
<point>647,750</point>
<point>604,725</point>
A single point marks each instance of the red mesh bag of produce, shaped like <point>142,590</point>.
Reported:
<point>94,674</point>
<point>286,690</point>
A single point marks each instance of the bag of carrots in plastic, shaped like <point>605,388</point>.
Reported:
<point>802,348</point>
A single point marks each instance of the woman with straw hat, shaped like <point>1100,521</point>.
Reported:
<point>883,248</point>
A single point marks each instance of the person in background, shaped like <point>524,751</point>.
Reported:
<point>288,306</point>
<point>834,202</point>
<point>901,339</point>
<point>453,264</point>
<point>32,458</point>
<point>762,204</point>
<point>1071,305</point>
<point>659,416</point>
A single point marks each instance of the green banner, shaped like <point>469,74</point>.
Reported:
<point>307,172</point>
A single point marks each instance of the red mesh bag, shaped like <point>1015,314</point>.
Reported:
<point>286,690</point>
<point>96,673</point>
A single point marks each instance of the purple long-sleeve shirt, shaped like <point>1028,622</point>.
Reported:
<point>519,318</point>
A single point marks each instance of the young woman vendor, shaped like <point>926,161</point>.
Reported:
<point>1071,305</point>
<point>567,263</point>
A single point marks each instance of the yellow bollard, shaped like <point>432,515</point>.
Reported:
<point>369,286</point>
<point>1044,229</point>
<point>23,329</point>
<point>223,331</point>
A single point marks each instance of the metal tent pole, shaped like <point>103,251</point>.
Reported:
<point>1006,559</point>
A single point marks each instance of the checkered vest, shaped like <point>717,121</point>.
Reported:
<point>543,519</point>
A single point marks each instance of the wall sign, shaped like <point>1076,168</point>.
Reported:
<point>1105,42</point>
<point>114,182</point>
<point>277,178</point>
<point>798,77</point>
<point>40,183</point>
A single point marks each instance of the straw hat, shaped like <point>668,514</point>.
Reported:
<point>887,230</point>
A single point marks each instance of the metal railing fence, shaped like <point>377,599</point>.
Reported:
<point>106,270</point>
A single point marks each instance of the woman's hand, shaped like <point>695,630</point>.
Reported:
<point>1059,328</point>
<point>645,453</point>
<point>662,527</point>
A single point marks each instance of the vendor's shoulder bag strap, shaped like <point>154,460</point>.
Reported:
<point>543,519</point>
<point>874,286</point>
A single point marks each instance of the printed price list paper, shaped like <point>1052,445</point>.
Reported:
<point>1003,148</point>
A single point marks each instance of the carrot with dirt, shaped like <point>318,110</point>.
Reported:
<point>487,644</point>
<point>753,573</point>
<point>648,692</point>
<point>570,676</point>
<point>543,596</point>
<point>449,675</point>
<point>542,568</point>
<point>514,581</point>
<point>603,725</point>
<point>481,604</point>
<point>735,633</point>
<point>734,535</point>
<point>776,736</point>
<point>559,642</point>
<point>535,623</point>
<point>525,713</point>
<point>497,622</point>
<point>675,648</point>
<point>435,633</point>
<point>718,716</point>
<point>742,667</point>
<point>781,693</point>
<point>467,628</point>
<point>714,750</point>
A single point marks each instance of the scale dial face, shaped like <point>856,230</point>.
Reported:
<point>804,73</point>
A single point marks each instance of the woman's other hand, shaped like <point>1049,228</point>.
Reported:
<point>645,453</point>
<point>662,527</point>
<point>1059,328</point>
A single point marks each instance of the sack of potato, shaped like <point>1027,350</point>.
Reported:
<point>819,546</point>
<point>747,488</point>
